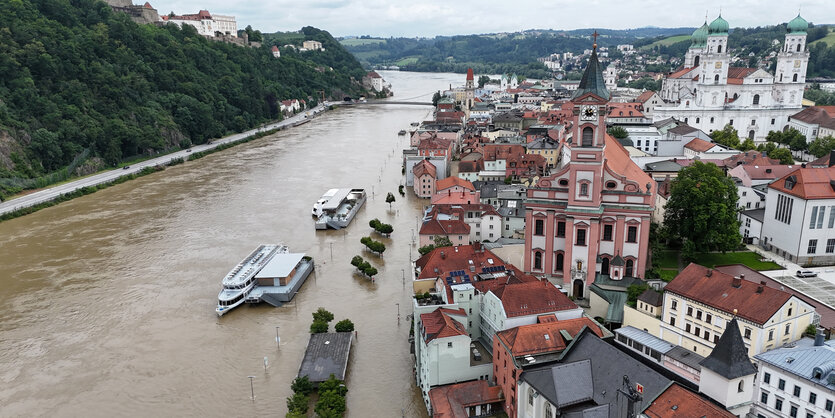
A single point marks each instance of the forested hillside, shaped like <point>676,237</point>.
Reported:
<point>79,82</point>
<point>489,53</point>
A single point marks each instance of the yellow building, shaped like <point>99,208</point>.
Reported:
<point>700,302</point>
<point>547,148</point>
<point>646,315</point>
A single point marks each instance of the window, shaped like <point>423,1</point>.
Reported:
<point>698,331</point>
<point>731,122</point>
<point>828,406</point>
<point>778,404</point>
<point>793,411</point>
<point>789,312</point>
<point>561,229</point>
<point>632,234</point>
<point>716,79</point>
<point>796,391</point>
<point>764,398</point>
<point>584,189</point>
<point>794,77</point>
<point>581,237</point>
<point>539,227</point>
<point>689,311</point>
<point>781,384</point>
<point>537,260</point>
<point>766,377</point>
<point>756,100</point>
<point>449,345</point>
<point>630,267</point>
<point>831,217</point>
<point>784,208</point>
<point>813,246</point>
<point>560,261</point>
<point>707,336</point>
<point>698,314</point>
<point>674,304</point>
<point>607,233</point>
<point>830,245</point>
<point>530,396</point>
<point>708,318</point>
<point>747,334</point>
<point>741,386</point>
<point>549,413</point>
<point>813,397</point>
<point>673,321</point>
<point>588,136</point>
<point>687,327</point>
<point>788,327</point>
<point>773,121</point>
<point>770,335</point>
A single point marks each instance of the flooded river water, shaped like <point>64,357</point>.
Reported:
<point>108,300</point>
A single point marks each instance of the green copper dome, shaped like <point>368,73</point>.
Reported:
<point>699,37</point>
<point>798,25</point>
<point>718,27</point>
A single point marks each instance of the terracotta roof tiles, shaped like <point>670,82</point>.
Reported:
<point>678,402</point>
<point>699,145</point>
<point>543,337</point>
<point>453,401</point>
<point>533,298</point>
<point>438,324</point>
<point>449,182</point>
<point>808,183</point>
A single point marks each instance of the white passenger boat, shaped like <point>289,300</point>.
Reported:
<point>239,282</point>
<point>337,207</point>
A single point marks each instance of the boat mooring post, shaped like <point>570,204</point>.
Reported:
<point>277,339</point>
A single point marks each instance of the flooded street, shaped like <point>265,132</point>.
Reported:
<point>108,300</point>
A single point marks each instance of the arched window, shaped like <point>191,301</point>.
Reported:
<point>560,262</point>
<point>751,135</point>
<point>756,99</point>
<point>549,412</point>
<point>716,79</point>
<point>798,47</point>
<point>537,260</point>
<point>719,49</point>
<point>696,61</point>
<point>584,189</point>
<point>741,385</point>
<point>604,266</point>
<point>630,267</point>
<point>794,78</point>
<point>588,136</point>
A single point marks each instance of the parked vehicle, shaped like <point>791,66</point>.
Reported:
<point>806,273</point>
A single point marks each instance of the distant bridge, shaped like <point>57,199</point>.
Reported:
<point>380,102</point>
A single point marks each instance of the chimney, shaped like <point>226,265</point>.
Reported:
<point>476,246</point>
<point>737,282</point>
<point>761,287</point>
<point>443,256</point>
<point>819,337</point>
<point>831,158</point>
<point>709,272</point>
<point>803,165</point>
<point>742,276</point>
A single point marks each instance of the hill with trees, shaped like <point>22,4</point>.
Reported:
<point>85,87</point>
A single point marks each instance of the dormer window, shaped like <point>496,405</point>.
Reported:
<point>790,182</point>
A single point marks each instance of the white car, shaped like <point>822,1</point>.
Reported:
<point>806,273</point>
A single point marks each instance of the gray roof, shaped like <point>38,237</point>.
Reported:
<point>803,359</point>
<point>543,143</point>
<point>281,265</point>
<point>651,297</point>
<point>683,129</point>
<point>664,166</point>
<point>608,365</point>
<point>686,357</point>
<point>326,354</point>
<point>550,382</point>
<point>755,214</point>
<point>665,122</point>
<point>729,357</point>
<point>645,338</point>
<point>592,80</point>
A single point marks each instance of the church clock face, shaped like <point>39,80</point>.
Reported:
<point>588,113</point>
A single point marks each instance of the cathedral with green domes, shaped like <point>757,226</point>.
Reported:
<point>707,93</point>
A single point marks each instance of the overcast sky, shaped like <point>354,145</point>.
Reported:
<point>452,17</point>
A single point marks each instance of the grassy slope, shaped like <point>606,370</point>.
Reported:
<point>667,41</point>
<point>829,39</point>
<point>358,42</point>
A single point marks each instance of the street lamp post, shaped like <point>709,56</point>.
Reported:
<point>252,387</point>
<point>331,251</point>
<point>277,338</point>
<point>398,313</point>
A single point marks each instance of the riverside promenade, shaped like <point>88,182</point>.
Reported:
<point>52,192</point>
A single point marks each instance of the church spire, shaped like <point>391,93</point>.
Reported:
<point>729,357</point>
<point>592,80</point>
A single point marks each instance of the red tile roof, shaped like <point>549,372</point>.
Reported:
<point>645,96</point>
<point>717,291</point>
<point>447,259</point>
<point>618,160</point>
<point>373,74</point>
<point>678,402</point>
<point>633,109</point>
<point>469,74</point>
<point>452,401</point>
<point>808,183</point>
<point>812,115</point>
<point>680,72</point>
<point>767,172</point>
<point>424,167</point>
<point>438,324</point>
<point>750,158</point>
<point>739,73</point>
<point>445,227</point>
<point>543,337</point>
<point>434,143</point>
<point>699,145</point>
<point>532,298</point>
<point>449,182</point>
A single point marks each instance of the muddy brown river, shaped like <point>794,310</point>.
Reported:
<point>108,300</point>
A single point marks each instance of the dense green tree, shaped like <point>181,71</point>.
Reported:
<point>482,80</point>
<point>618,132</point>
<point>436,98</point>
<point>322,315</point>
<point>344,325</point>
<point>372,245</point>
<point>727,136</point>
<point>318,327</point>
<point>632,293</point>
<point>302,385</point>
<point>298,403</point>
<point>390,199</point>
<point>702,208</point>
<point>747,145</point>
<point>821,146</point>
<point>782,154</point>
